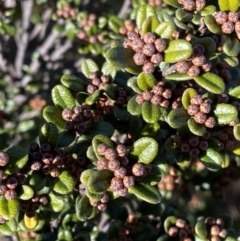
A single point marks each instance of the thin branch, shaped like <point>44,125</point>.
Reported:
<point>125,8</point>
<point>57,54</point>
<point>26,6</point>
<point>169,70</point>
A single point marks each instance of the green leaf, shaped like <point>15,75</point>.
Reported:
<point>151,130</point>
<point>73,82</point>
<point>236,131</point>
<point>195,128</point>
<point>8,228</point>
<point>165,30</point>
<point>99,181</point>
<point>93,196</point>
<point>177,50</point>
<point>108,69</point>
<point>150,112</point>
<point>184,15</point>
<point>8,208</point>
<point>212,159</point>
<point>115,23</point>
<point>18,158</point>
<point>133,107</point>
<point>123,58</point>
<point>230,44</point>
<point>101,127</point>
<point>187,95</point>
<point>144,150</point>
<point>85,176</point>
<point>225,113</point>
<point>212,25</point>
<point>54,114</point>
<point>150,24</point>
<point>201,229</point>
<point>178,77</point>
<point>208,44</point>
<point>49,134</point>
<point>88,66</point>
<point>208,10</point>
<point>56,202</point>
<point>178,118</point>
<point>173,3</point>
<point>25,192</point>
<point>37,181</point>
<point>143,13</point>
<point>64,183</point>
<point>66,138</point>
<point>235,92</point>
<point>169,222</point>
<point>91,155</point>
<point>101,139</point>
<point>228,5</point>
<point>146,81</point>
<point>31,222</point>
<point>211,82</point>
<point>93,98</point>
<point>62,97</point>
<point>146,192</point>
<point>83,208</point>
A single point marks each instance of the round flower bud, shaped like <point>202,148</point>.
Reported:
<point>47,158</point>
<point>105,78</point>
<point>33,147</point>
<point>180,223</point>
<point>156,58</point>
<point>147,95</point>
<point>167,94</point>
<point>182,67</point>
<point>120,172</point>
<point>36,166</point>
<point>156,100</point>
<point>123,192</point>
<point>43,200</point>
<point>200,4</point>
<point>122,30</point>
<point>46,169</point>
<point>149,38</point>
<point>3,189</point>
<point>205,107</point>
<point>4,159</point>
<point>116,184</point>
<point>215,229</point>
<point>139,58</point>
<point>67,114</point>
<point>194,152</point>
<point>210,122</point>
<point>132,35</point>
<point>160,44</point>
<point>207,66</point>
<point>193,141</point>
<point>233,16</point>
<point>104,199</point>
<point>121,150</point>
<point>129,181</point>
<point>102,148</point>
<point>12,182</point>
<point>196,100</point>
<point>137,44</point>
<point>10,194</point>
<point>200,118</point>
<point>237,26</point>
<point>91,89</point>
<point>193,71</point>
<point>55,172</point>
<point>102,207</point>
<point>139,99</point>
<point>189,5</point>
<point>185,147</point>
<point>182,234</point>
<point>45,148</point>
<point>138,170</point>
<point>157,90</point>
<point>228,27</point>
<point>149,49</point>
<point>203,145</point>
<point>193,109</point>
<point>110,154</point>
<point>220,222</point>
<point>164,103</point>
<point>93,75</point>
<point>102,163</point>
<point>113,165</point>
<point>148,68</point>
<point>173,232</point>
<point>223,233</point>
<point>199,60</point>
<point>221,17</point>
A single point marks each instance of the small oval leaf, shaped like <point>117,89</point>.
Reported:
<point>178,118</point>
<point>64,183</point>
<point>88,66</point>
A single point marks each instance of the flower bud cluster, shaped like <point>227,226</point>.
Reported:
<point>10,183</point>
<point>193,145</point>
<point>129,25</point>
<point>172,181</point>
<point>157,3</point>
<point>182,230</point>
<point>215,229</point>
<point>51,161</point>
<point>29,207</point>
<point>100,204</point>
<point>79,119</point>
<point>122,97</point>
<point>197,63</point>
<point>200,109</point>
<point>229,22</point>
<point>160,95</point>
<point>148,49</point>
<point>66,12</point>
<point>227,139</point>
<point>96,82</point>
<point>192,5</point>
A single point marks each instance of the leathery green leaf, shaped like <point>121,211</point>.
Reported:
<point>18,158</point>
<point>49,134</point>
<point>201,228</point>
<point>173,3</point>
<point>169,222</point>
<point>150,112</point>
<point>88,66</point>
<point>26,192</point>
<point>187,95</point>
<point>64,183</point>
<point>225,113</point>
<point>146,81</point>
<point>143,13</point>
<point>62,97</point>
<point>8,228</point>
<point>56,202</point>
<point>54,114</point>
<point>178,77</point>
<point>164,30</point>
<point>231,45</point>
<point>211,82</point>
<point>8,208</point>
<point>212,25</point>
<point>73,82</point>
<point>178,118</point>
<point>177,50</point>
<point>212,159</point>
<point>133,107</point>
<point>235,92</point>
<point>146,192</point>
<point>196,128</point>
<point>236,131</point>
<point>150,24</point>
<point>99,181</point>
<point>228,5</point>
<point>83,208</point>
<point>144,150</point>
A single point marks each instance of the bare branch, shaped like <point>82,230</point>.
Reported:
<point>125,8</point>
